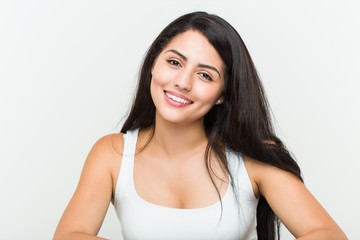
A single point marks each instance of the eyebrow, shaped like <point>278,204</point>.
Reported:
<point>199,65</point>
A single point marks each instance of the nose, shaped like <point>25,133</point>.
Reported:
<point>184,81</point>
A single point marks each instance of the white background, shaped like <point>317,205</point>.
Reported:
<point>68,70</point>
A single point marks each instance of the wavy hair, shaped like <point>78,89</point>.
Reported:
<point>242,122</point>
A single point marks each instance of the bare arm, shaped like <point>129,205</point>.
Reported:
<point>291,201</point>
<point>87,208</point>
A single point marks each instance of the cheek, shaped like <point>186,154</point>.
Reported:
<point>160,78</point>
<point>161,75</point>
<point>157,86</point>
<point>209,95</point>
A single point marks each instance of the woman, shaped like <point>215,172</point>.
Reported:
<point>197,157</point>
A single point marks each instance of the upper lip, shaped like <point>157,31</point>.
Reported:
<point>178,95</point>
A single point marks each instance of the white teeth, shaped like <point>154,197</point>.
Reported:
<point>177,99</point>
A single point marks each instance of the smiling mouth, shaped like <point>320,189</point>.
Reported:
<point>177,99</point>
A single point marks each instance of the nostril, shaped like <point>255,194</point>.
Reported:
<point>183,85</point>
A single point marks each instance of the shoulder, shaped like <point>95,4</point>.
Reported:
<point>104,158</point>
<point>106,152</point>
<point>265,176</point>
<point>109,144</point>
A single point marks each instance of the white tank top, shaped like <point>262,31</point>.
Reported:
<point>144,220</point>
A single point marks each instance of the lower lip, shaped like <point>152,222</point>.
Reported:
<point>174,103</point>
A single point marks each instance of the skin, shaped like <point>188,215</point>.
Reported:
<point>171,171</point>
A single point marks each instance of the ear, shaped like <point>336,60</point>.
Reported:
<point>219,101</point>
<point>152,69</point>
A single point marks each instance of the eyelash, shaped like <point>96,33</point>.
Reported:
<point>206,76</point>
<point>177,64</point>
<point>174,63</point>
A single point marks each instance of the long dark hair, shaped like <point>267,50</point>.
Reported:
<point>242,122</point>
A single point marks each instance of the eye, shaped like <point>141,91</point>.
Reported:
<point>206,76</point>
<point>174,63</point>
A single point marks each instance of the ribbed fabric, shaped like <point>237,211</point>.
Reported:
<point>146,221</point>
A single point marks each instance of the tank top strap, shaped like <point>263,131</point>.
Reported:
<point>240,174</point>
<point>125,178</point>
<point>130,139</point>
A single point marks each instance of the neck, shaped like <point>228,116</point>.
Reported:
<point>176,140</point>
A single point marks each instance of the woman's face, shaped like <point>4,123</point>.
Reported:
<point>187,79</point>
